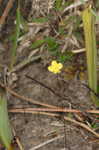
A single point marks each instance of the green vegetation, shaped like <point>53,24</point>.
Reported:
<point>15,39</point>
<point>91,51</point>
<point>37,44</point>
<point>52,45</point>
<point>5,129</point>
<point>40,20</point>
<point>58,4</point>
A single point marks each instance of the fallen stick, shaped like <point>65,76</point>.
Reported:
<point>51,108</point>
<point>25,98</point>
<point>66,118</point>
<point>47,142</point>
<point>56,110</point>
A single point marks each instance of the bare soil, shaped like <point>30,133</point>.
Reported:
<point>34,129</point>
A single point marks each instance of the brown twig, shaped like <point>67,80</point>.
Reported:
<point>6,11</point>
<point>66,118</point>
<point>47,142</point>
<point>57,110</point>
<point>82,125</point>
<point>51,108</point>
<point>18,141</point>
<point>50,114</point>
<point>25,98</point>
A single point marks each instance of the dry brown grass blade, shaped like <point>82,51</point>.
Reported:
<point>18,141</point>
<point>66,118</point>
<point>56,110</point>
<point>82,125</point>
<point>6,11</point>
<point>51,108</point>
<point>47,142</point>
<point>74,5</point>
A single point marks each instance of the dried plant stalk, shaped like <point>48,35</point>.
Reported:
<point>91,50</point>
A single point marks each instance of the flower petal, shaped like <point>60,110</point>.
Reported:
<point>55,67</point>
<point>60,66</point>
<point>50,68</point>
<point>54,62</point>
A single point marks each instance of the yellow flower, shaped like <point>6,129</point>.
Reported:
<point>55,67</point>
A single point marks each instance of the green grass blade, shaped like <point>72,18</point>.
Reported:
<point>53,45</point>
<point>5,129</point>
<point>58,4</point>
<point>83,1</point>
<point>15,40</point>
<point>40,20</point>
<point>91,50</point>
<point>37,44</point>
